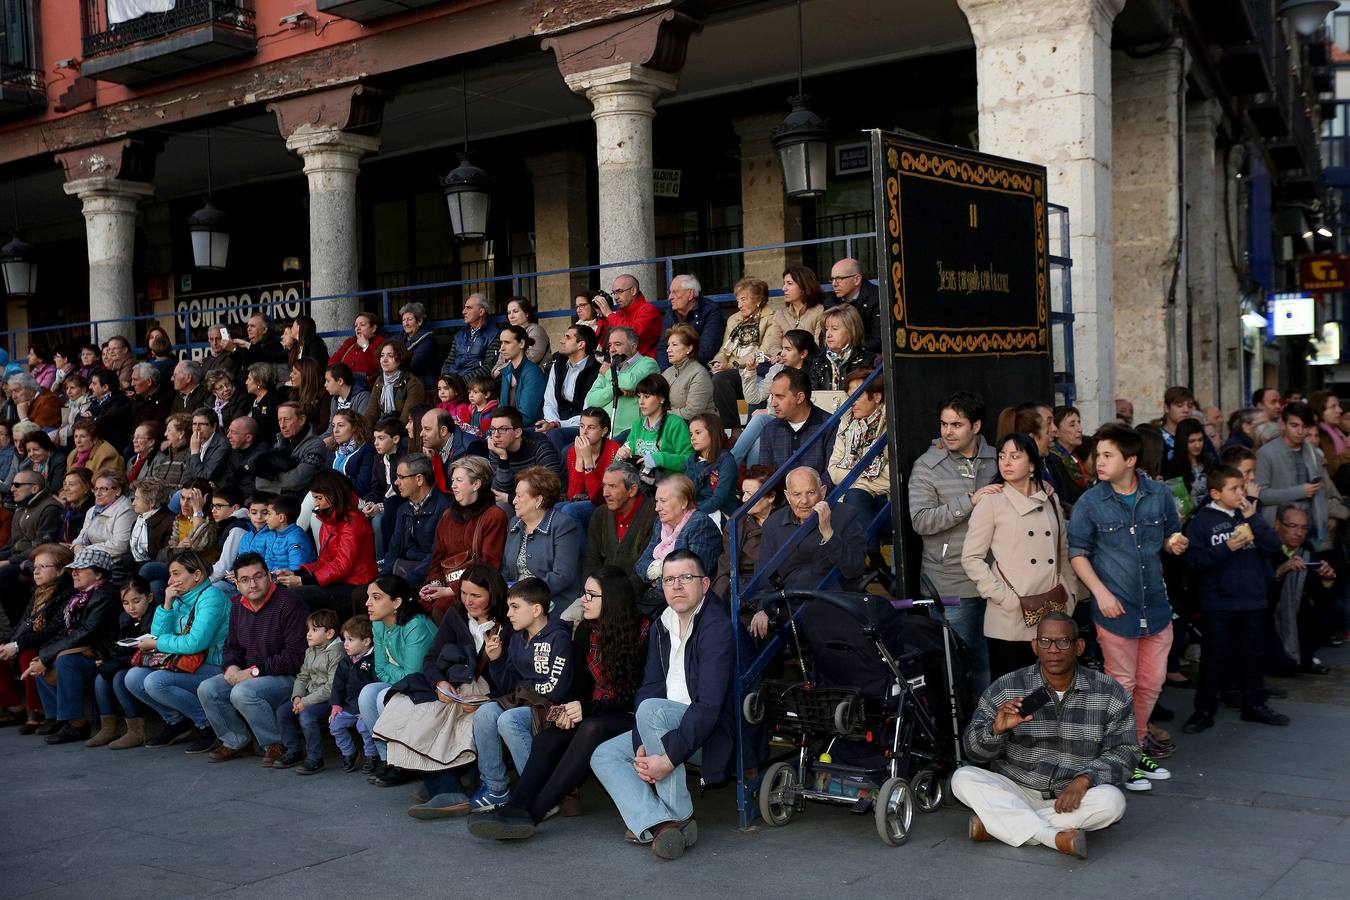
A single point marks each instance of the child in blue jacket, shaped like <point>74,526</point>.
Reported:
<point>289,547</point>
<point>1231,552</point>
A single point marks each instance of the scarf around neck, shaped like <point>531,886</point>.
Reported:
<point>668,535</point>
<point>1071,464</point>
<point>387,391</point>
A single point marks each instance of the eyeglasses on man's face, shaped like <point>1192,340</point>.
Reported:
<point>501,429</point>
<point>685,579</point>
<point>1059,643</point>
<point>838,278</point>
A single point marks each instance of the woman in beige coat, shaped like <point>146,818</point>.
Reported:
<point>1016,546</point>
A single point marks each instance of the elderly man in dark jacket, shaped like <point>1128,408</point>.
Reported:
<point>688,306</point>
<point>620,528</point>
<point>243,435</point>
<point>210,452</point>
<point>408,553</point>
<point>150,397</point>
<point>685,706</point>
<point>305,453</point>
<point>836,539</point>
<point>37,521</point>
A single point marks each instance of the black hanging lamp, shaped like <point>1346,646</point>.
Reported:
<point>802,141</point>
<point>468,189</point>
<point>18,259</point>
<point>208,227</point>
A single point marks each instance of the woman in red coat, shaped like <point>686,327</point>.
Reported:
<point>346,560</point>
<point>361,352</point>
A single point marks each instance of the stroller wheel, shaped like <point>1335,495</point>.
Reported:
<point>928,789</point>
<point>894,811</point>
<point>752,707</point>
<point>778,794</point>
<point>845,716</point>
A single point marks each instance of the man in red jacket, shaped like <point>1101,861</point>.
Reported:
<point>635,312</point>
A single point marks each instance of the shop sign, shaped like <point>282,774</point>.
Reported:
<point>1325,272</point>
<point>233,308</point>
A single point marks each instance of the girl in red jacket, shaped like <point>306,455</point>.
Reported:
<point>346,548</point>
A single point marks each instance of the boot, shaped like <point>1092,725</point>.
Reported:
<point>134,737</point>
<point>106,732</point>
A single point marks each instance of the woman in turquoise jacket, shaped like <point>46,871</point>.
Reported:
<point>194,618</point>
<point>403,634</point>
<point>522,381</point>
<point>658,443</point>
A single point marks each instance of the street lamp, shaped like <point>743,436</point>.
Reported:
<point>468,189</point>
<point>468,194</point>
<point>20,268</point>
<point>210,239</point>
<point>18,261</point>
<point>1307,15</point>
<point>802,141</point>
<point>208,227</point>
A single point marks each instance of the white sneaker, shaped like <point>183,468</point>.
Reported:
<point>1139,783</point>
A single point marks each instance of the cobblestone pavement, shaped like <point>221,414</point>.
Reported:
<point>1251,811</point>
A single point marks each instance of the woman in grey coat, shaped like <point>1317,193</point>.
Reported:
<point>542,541</point>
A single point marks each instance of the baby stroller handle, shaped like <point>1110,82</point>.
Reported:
<point>862,607</point>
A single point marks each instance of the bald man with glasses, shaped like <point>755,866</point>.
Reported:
<point>37,521</point>
<point>851,287</point>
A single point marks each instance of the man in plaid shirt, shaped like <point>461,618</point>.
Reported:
<point>1052,773</point>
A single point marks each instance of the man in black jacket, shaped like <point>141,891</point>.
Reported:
<point>683,708</point>
<point>150,399</point>
<point>110,408</point>
<point>852,288</point>
<point>409,551</point>
<point>37,521</point>
<point>513,450</point>
<point>245,447</point>
<point>210,453</point>
<point>570,376</point>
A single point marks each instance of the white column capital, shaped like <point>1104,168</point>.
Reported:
<point>1007,19</point>
<point>111,194</point>
<point>622,89</point>
<point>330,149</point>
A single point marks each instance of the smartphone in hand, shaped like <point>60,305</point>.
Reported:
<point>1035,700</point>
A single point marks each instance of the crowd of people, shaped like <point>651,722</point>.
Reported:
<point>516,556</point>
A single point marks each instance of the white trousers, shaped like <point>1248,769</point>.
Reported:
<point>1016,816</point>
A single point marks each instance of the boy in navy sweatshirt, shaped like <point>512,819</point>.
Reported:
<point>1230,552</point>
<point>534,665</point>
<point>355,670</point>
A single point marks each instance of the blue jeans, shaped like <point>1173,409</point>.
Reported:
<point>581,510</point>
<point>112,696</point>
<point>250,705</point>
<point>746,448</point>
<point>491,726</point>
<point>171,694</point>
<point>340,729</point>
<point>157,573</point>
<point>642,805</point>
<point>311,722</point>
<point>66,698</point>
<point>967,620</point>
<point>371,704</point>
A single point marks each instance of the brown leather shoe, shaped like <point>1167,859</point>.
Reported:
<point>225,754</point>
<point>668,839</point>
<point>570,805</point>
<point>1072,843</point>
<point>630,837</point>
<point>273,753</point>
<point>977,830</point>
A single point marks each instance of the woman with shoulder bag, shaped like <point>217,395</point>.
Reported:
<point>182,650</point>
<point>472,530</point>
<point>1017,553</point>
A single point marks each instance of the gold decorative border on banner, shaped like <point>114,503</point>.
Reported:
<point>918,340</point>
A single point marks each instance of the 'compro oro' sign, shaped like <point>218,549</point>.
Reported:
<point>194,313</point>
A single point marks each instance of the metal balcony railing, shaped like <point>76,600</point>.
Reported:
<point>102,36</point>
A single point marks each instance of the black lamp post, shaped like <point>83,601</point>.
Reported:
<point>468,189</point>
<point>802,141</point>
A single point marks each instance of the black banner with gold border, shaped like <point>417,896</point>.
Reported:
<point>963,260</point>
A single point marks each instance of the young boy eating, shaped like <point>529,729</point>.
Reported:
<point>1231,549</point>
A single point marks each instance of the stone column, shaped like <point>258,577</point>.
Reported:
<point>1150,273</point>
<point>623,98</point>
<point>1203,227</point>
<point>1044,95</point>
<point>767,215</point>
<point>332,162</point>
<point>561,232</point>
<point>110,180</point>
<point>1234,392</point>
<point>109,206</point>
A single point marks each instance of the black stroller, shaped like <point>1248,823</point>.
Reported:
<point>877,716</point>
